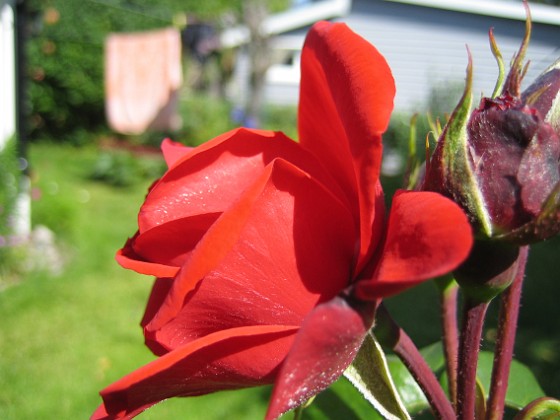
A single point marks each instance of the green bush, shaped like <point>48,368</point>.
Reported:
<point>440,104</point>
<point>65,57</point>
<point>123,169</point>
<point>119,169</point>
<point>204,117</point>
<point>281,118</point>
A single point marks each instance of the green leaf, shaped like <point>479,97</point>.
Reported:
<point>410,392</point>
<point>433,354</point>
<point>480,403</point>
<point>542,408</point>
<point>523,386</point>
<point>369,373</point>
<point>340,401</point>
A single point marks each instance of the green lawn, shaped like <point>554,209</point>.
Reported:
<point>64,338</point>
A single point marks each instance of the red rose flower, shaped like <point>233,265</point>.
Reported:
<point>270,255</point>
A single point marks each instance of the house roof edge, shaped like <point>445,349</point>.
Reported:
<point>509,10</point>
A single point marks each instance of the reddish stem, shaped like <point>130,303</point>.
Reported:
<point>471,336</point>
<point>390,334</point>
<point>507,327</point>
<point>450,336</point>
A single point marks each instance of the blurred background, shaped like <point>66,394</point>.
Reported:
<point>88,91</point>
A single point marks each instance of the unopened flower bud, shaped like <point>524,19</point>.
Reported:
<point>501,162</point>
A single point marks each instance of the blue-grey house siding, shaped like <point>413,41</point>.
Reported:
<point>426,47</point>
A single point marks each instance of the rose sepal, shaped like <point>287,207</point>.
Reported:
<point>450,170</point>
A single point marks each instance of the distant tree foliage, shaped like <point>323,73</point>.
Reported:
<point>65,54</point>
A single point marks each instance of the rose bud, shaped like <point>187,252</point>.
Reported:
<point>501,162</point>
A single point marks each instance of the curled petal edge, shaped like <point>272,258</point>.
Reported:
<point>428,235</point>
<point>158,380</point>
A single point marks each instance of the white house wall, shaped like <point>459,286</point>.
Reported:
<point>7,74</point>
<point>22,211</point>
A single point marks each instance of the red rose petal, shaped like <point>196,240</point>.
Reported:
<point>324,347</point>
<point>346,100</point>
<point>129,259</point>
<point>213,176</point>
<point>285,246</point>
<point>229,359</point>
<point>173,151</point>
<point>172,242</point>
<point>428,235</point>
<point>160,289</point>
<point>101,413</point>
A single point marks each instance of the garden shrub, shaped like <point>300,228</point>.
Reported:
<point>442,99</point>
<point>65,59</point>
<point>123,169</point>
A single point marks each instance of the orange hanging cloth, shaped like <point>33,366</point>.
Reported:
<point>143,75</point>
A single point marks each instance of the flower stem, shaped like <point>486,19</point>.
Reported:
<point>471,336</point>
<point>390,334</point>
<point>507,327</point>
<point>448,295</point>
